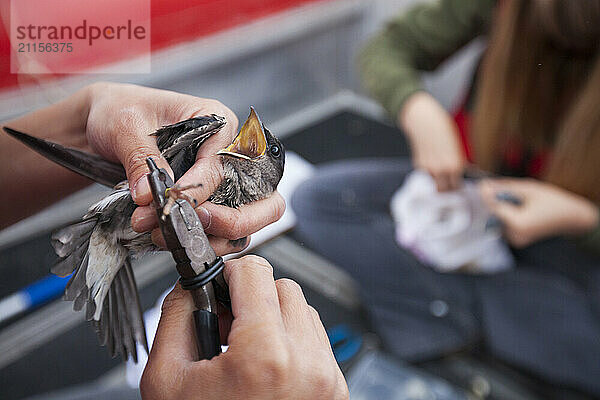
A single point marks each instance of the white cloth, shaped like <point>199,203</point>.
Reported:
<point>447,231</point>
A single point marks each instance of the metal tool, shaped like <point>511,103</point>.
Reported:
<point>196,261</point>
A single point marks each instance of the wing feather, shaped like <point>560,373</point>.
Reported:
<point>88,165</point>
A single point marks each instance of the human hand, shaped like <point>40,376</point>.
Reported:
<point>278,348</point>
<point>546,210</point>
<point>433,140</point>
<point>119,122</point>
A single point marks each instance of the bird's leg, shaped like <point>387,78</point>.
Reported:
<point>176,192</point>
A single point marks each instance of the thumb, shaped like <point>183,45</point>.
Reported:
<point>503,210</point>
<point>132,148</point>
<point>174,338</point>
<point>172,349</point>
<point>506,212</point>
<point>134,161</point>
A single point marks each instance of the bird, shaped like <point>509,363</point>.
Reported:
<point>97,251</point>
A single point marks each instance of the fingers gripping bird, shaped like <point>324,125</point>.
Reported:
<point>98,249</point>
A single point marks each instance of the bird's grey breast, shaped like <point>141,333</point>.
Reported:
<point>243,182</point>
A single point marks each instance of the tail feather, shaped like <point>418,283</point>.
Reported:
<point>80,300</point>
<point>126,328</point>
<point>134,307</point>
<point>121,323</point>
<point>90,308</point>
<point>115,323</point>
<point>102,329</point>
<point>110,343</point>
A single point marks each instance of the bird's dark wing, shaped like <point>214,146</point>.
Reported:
<point>169,134</point>
<point>88,165</point>
<point>179,143</point>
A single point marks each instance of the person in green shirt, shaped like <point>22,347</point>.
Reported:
<point>532,117</point>
<point>536,94</point>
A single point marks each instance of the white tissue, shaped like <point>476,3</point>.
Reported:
<point>447,231</point>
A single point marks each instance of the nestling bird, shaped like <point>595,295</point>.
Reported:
<point>98,249</point>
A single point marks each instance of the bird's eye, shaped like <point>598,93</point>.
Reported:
<point>275,150</point>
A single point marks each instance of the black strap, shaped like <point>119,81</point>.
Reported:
<point>205,277</point>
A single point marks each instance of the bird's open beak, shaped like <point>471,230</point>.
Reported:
<point>251,142</point>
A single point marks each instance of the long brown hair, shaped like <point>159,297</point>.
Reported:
<point>540,87</point>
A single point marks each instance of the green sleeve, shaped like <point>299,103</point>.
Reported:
<point>420,39</point>
<point>591,240</point>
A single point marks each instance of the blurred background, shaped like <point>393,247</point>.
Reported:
<point>295,62</point>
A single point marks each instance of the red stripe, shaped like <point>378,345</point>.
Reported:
<point>513,156</point>
<point>173,22</point>
<point>462,120</point>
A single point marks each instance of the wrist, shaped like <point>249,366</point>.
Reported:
<point>585,218</point>
<point>78,107</point>
<point>589,218</point>
<point>417,105</point>
<point>63,122</point>
<point>423,114</point>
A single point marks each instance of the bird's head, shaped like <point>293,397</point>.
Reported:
<point>256,153</point>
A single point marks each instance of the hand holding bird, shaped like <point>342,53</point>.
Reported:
<point>98,248</point>
<point>113,121</point>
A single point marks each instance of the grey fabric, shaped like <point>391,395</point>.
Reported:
<point>541,316</point>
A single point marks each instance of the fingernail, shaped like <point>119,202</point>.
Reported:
<point>141,188</point>
<point>204,216</point>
